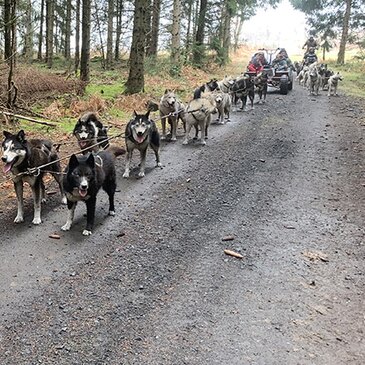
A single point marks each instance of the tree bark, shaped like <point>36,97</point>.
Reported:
<point>135,82</point>
<point>40,36</point>
<point>175,37</point>
<point>7,30</point>
<point>67,50</point>
<point>345,32</point>
<point>226,34</point>
<point>198,50</point>
<point>85,46</point>
<point>118,32</point>
<point>155,22</point>
<point>109,42</point>
<point>49,32</point>
<point>77,36</point>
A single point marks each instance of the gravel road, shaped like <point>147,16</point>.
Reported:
<point>283,185</point>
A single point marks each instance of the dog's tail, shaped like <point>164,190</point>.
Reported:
<point>116,150</point>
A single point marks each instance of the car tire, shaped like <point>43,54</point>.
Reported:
<point>284,85</point>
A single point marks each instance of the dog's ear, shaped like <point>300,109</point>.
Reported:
<point>91,160</point>
<point>7,134</point>
<point>148,114</point>
<point>21,136</point>
<point>167,91</point>
<point>73,163</point>
<point>135,113</point>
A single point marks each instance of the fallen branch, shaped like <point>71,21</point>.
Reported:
<point>234,254</point>
<point>28,119</point>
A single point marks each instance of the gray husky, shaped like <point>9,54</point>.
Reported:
<point>171,109</point>
<point>19,155</point>
<point>198,114</point>
<point>223,103</point>
<point>140,133</point>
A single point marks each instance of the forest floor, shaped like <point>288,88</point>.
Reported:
<point>283,185</point>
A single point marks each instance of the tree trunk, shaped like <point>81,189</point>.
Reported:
<point>135,82</point>
<point>11,52</point>
<point>28,37</point>
<point>109,42</point>
<point>188,29</point>
<point>77,36</point>
<point>7,30</point>
<point>175,37</point>
<point>155,22</point>
<point>68,30</point>
<point>85,46</point>
<point>49,32</point>
<point>226,35</point>
<point>100,32</point>
<point>40,36</point>
<point>118,32</point>
<point>345,32</point>
<point>198,51</point>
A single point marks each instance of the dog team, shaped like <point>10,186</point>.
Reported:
<point>316,76</point>
<point>94,168</point>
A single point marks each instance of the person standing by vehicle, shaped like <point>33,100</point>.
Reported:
<point>310,43</point>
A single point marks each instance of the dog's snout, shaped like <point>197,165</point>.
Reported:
<point>83,186</point>
<point>3,158</point>
<point>139,133</point>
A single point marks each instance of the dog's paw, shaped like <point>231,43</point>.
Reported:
<point>126,174</point>
<point>66,226</point>
<point>141,174</point>
<point>163,138</point>
<point>203,143</point>
<point>44,200</point>
<point>86,232</point>
<point>18,219</point>
<point>37,221</point>
<point>185,142</point>
<point>173,139</point>
<point>159,165</point>
<point>64,200</point>
<point>112,213</point>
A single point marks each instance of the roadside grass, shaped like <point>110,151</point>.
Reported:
<point>353,82</point>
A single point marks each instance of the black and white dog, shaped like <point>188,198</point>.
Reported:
<point>90,133</point>
<point>140,133</point>
<point>19,155</point>
<point>242,88</point>
<point>85,175</point>
<point>208,86</point>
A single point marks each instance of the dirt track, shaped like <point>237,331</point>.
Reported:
<point>153,286</point>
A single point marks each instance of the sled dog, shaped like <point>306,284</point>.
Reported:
<point>205,88</point>
<point>198,114</point>
<point>333,83</point>
<point>171,109</point>
<point>19,155</point>
<point>90,133</point>
<point>85,175</point>
<point>140,133</point>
